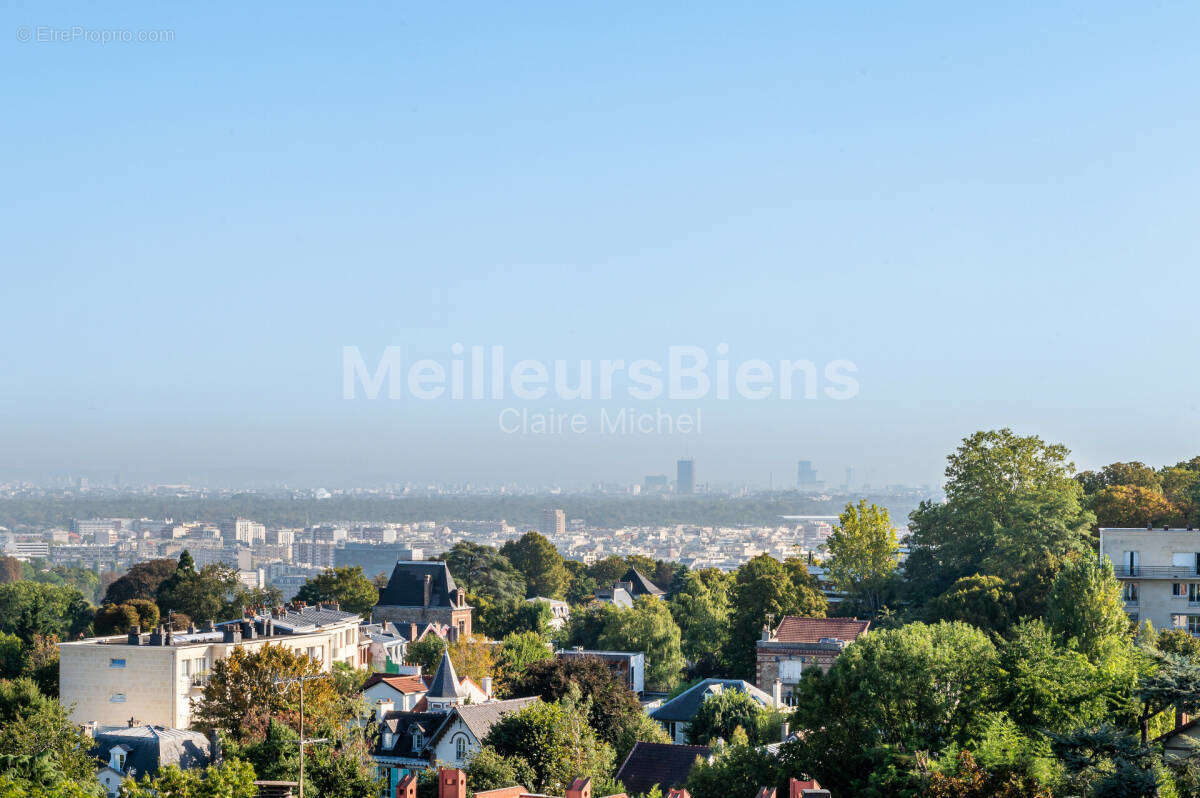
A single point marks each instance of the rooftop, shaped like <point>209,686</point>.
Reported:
<point>663,764</point>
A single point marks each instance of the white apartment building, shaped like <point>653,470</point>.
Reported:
<point>153,678</point>
<point>1159,570</point>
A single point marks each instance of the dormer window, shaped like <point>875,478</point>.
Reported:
<point>418,741</point>
<point>116,759</point>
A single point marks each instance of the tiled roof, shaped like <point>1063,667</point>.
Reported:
<point>659,763</point>
<point>406,587</point>
<point>794,629</point>
<point>401,684</point>
<point>683,707</point>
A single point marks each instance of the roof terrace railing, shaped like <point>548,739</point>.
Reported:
<point>1157,572</point>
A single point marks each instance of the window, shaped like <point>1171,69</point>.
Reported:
<point>117,698</point>
<point>1193,592</point>
<point>1177,589</point>
<point>418,740</point>
<point>1130,560</point>
<point>1131,591</point>
<point>460,748</point>
<point>116,663</point>
<point>1193,624</point>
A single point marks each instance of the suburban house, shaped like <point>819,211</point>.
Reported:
<point>153,677</point>
<point>1159,571</point>
<point>800,644</point>
<point>663,764</point>
<point>137,751</point>
<point>423,593</point>
<point>387,643</point>
<point>446,725</point>
<point>629,666</point>
<point>633,585</point>
<point>676,715</point>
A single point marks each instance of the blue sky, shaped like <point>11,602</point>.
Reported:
<point>990,211</point>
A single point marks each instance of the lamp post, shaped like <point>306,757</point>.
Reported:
<point>300,680</point>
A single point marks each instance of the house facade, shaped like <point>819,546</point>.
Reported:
<point>1159,571</point>
<point>798,644</point>
<point>423,593</point>
<point>136,751</point>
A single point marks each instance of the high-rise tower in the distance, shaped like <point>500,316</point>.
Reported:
<point>806,477</point>
<point>554,523</point>
<point>685,477</point>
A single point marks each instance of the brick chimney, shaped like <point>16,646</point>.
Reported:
<point>452,783</point>
<point>407,786</point>
<point>766,792</point>
<point>580,788</point>
<point>678,792</point>
<point>797,787</point>
<point>412,633</point>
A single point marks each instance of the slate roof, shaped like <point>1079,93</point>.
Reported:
<point>659,763</point>
<point>641,585</point>
<point>480,718</point>
<point>150,747</point>
<point>794,629</point>
<point>683,707</point>
<point>403,724</point>
<point>406,587</point>
<point>445,682</point>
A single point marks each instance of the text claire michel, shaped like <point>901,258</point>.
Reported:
<point>625,421</point>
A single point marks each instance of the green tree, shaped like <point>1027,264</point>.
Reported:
<point>1046,685</point>
<point>737,770</point>
<point>1105,762</point>
<point>542,566</point>
<point>347,586</point>
<point>232,778</point>
<point>648,627</point>
<point>720,714</point>
<point>34,725</point>
<point>115,619</point>
<point>141,581</point>
<point>700,607</point>
<point>614,713</point>
<point>242,695</point>
<point>1134,506</point>
<point>28,609</point>
<point>484,572</point>
<point>426,652</point>
<point>212,593</point>
<point>983,601</point>
<point>556,742</point>
<point>765,588</point>
<point>1086,608</point>
<point>519,650</point>
<point>587,624</point>
<point>12,653</point>
<point>488,770</point>
<point>863,552</point>
<point>1012,510</point>
<point>917,688</point>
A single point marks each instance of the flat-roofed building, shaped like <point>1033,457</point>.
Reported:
<point>153,677</point>
<point>1159,571</point>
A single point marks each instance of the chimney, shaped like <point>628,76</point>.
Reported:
<point>766,792</point>
<point>89,729</point>
<point>412,633</point>
<point>452,783</point>
<point>777,694</point>
<point>231,633</point>
<point>486,684</point>
<point>678,792</point>
<point>407,786</point>
<point>248,632</point>
<point>210,626</point>
<point>214,747</point>
<point>766,632</point>
<point>135,635</point>
<point>580,788</point>
<point>428,588</point>
<point>785,731</point>
<point>382,707</point>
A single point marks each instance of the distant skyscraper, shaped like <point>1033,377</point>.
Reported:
<point>806,477</point>
<point>685,477</point>
<point>849,477</point>
<point>554,523</point>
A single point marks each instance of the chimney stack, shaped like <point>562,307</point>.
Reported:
<point>382,707</point>
<point>785,731</point>
<point>777,693</point>
<point>486,684</point>
<point>580,788</point>
<point>428,588</point>
<point>407,786</point>
<point>452,783</point>
<point>135,635</point>
<point>412,633</point>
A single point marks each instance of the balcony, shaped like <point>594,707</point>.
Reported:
<point>1182,572</point>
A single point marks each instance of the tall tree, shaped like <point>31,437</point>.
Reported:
<point>347,586</point>
<point>982,601</point>
<point>484,572</point>
<point>700,607</point>
<point>764,588</point>
<point>863,551</point>
<point>29,609</point>
<point>539,561</point>
<point>719,715</point>
<point>1086,608</point>
<point>34,725</point>
<point>141,581</point>
<point>212,593</point>
<point>648,627</point>
<point>1134,506</point>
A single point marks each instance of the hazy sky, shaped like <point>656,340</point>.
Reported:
<point>991,212</point>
